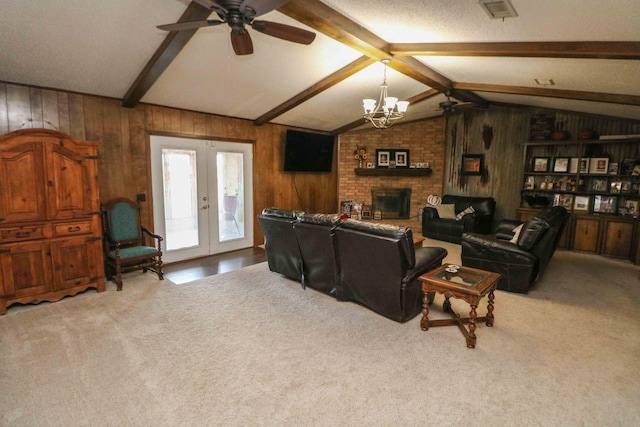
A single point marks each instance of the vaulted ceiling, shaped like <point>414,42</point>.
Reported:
<point>590,50</point>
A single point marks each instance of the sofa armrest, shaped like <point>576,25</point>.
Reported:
<point>426,260</point>
<point>491,248</point>
<point>504,229</point>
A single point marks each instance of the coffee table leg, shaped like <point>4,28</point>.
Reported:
<point>490,309</point>
<point>424,322</point>
<point>471,339</point>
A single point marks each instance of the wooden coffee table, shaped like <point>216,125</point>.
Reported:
<point>468,284</point>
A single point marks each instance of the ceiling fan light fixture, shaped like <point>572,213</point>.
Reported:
<point>498,9</point>
<point>387,110</point>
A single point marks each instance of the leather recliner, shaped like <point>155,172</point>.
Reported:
<point>451,229</point>
<point>315,235</point>
<point>280,243</point>
<point>379,267</point>
<point>520,263</point>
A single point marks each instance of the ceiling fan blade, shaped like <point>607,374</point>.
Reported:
<point>179,26</point>
<point>241,42</point>
<point>260,7</point>
<point>285,32</point>
<point>211,5</point>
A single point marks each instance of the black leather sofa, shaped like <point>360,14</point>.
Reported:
<point>451,229</point>
<point>375,265</point>
<point>520,262</point>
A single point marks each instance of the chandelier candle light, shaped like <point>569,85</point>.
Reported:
<point>388,109</point>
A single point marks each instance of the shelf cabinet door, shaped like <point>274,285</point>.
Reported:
<point>618,238</point>
<point>585,234</point>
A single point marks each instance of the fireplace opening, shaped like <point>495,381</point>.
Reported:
<point>394,203</point>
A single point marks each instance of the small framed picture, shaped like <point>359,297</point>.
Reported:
<point>584,165</point>
<point>616,186</point>
<point>402,158</point>
<point>631,206</point>
<point>581,203</point>
<point>564,200</point>
<point>604,204</point>
<point>541,164</point>
<point>627,166</point>
<point>599,185</point>
<point>599,165</point>
<point>383,157</point>
<point>472,164</point>
<point>613,169</point>
<point>573,165</point>
<point>371,165</point>
<point>625,186</point>
<point>561,164</point>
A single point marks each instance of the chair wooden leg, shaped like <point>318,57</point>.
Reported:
<point>118,277</point>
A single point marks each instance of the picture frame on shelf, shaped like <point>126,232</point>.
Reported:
<point>472,164</point>
<point>584,166</point>
<point>401,158</point>
<point>581,203</point>
<point>371,165</point>
<point>613,168</point>
<point>599,165</point>
<point>627,165</point>
<point>625,187</point>
<point>615,187</point>
<point>599,184</point>
<point>382,158</point>
<point>541,164</point>
<point>561,164</point>
<point>632,206</point>
<point>573,165</point>
<point>564,200</point>
<point>604,204</point>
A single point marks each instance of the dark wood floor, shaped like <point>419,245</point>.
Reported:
<point>194,269</point>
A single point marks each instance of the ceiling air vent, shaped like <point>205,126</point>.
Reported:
<point>498,9</point>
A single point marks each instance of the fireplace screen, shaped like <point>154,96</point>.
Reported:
<point>394,203</point>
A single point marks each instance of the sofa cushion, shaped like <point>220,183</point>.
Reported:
<point>446,211</point>
<point>468,210</point>
<point>531,232</point>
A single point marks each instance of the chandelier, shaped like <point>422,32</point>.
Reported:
<point>388,109</point>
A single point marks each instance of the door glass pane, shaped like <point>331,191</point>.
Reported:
<point>180,198</point>
<point>230,195</point>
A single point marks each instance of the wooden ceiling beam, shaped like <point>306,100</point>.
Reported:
<point>592,49</point>
<point>551,93</point>
<point>164,55</point>
<point>324,84</point>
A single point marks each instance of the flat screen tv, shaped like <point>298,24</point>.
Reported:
<point>308,152</point>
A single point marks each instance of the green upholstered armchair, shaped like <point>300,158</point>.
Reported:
<point>128,246</point>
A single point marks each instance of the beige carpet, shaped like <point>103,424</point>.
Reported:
<point>252,348</point>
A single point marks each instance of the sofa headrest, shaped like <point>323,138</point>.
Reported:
<point>281,213</point>
<point>319,219</point>
<point>481,205</point>
<point>553,216</point>
<point>531,233</point>
<point>383,230</point>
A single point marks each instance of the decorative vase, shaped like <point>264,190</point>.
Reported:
<point>360,163</point>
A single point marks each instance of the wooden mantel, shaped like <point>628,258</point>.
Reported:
<point>393,171</point>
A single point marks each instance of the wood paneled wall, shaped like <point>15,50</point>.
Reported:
<point>123,155</point>
<point>504,153</point>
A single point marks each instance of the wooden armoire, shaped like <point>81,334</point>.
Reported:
<point>50,233</point>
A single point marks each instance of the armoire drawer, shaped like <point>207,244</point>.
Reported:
<point>17,234</point>
<point>73,228</point>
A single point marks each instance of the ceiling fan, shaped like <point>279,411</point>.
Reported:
<point>237,14</point>
<point>448,106</point>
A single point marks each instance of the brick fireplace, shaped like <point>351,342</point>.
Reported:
<point>425,141</point>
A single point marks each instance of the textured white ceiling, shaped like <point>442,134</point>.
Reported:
<point>99,47</point>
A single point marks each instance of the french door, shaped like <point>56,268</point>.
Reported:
<point>202,196</point>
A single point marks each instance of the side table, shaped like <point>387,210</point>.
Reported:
<point>468,284</point>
